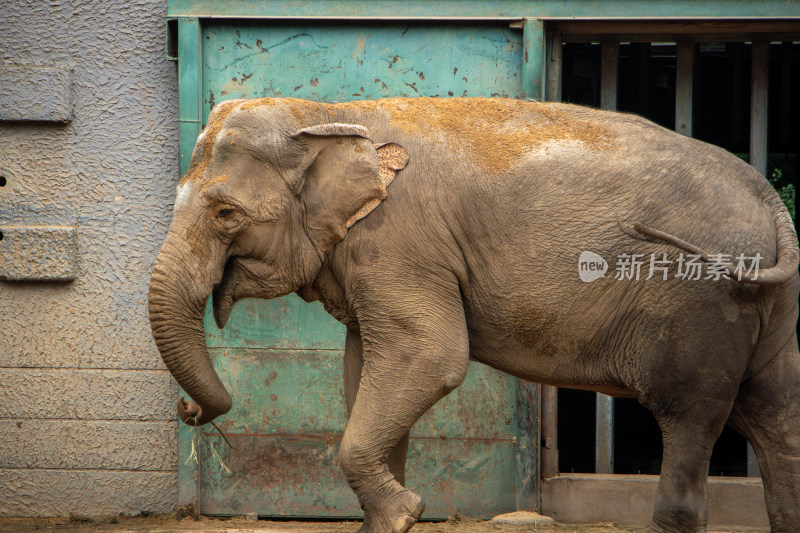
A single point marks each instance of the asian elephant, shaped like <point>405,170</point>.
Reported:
<point>441,231</point>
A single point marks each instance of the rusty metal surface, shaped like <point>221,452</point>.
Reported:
<point>287,422</point>
<point>351,62</point>
<point>281,359</point>
<point>297,475</point>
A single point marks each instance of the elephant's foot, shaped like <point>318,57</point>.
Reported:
<point>396,514</point>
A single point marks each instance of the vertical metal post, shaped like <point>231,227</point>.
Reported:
<point>758,153</point>
<point>527,453</point>
<point>553,93</point>
<point>533,59</point>
<point>604,405</point>
<point>609,60</point>
<point>549,431</point>
<point>189,109</point>
<point>739,91</point>
<point>189,87</point>
<point>786,92</point>
<point>683,87</point>
<point>758,107</point>
<point>549,394</point>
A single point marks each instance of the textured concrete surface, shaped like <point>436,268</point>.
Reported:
<point>95,492</point>
<point>86,406</point>
<point>36,93</point>
<point>104,394</point>
<point>37,253</point>
<point>87,444</point>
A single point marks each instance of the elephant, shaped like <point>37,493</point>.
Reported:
<point>441,231</point>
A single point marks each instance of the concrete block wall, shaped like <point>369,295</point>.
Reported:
<point>87,412</point>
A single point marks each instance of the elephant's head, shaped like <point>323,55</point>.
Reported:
<point>271,188</point>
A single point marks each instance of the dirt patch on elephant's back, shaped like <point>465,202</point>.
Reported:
<point>497,132</point>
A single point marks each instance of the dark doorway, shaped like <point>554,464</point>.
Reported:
<point>721,115</point>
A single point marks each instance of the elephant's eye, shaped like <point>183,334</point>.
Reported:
<point>228,217</point>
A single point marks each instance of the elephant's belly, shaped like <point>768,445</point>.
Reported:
<point>546,352</point>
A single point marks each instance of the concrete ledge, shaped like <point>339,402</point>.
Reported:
<point>35,93</point>
<point>734,502</point>
<point>37,253</point>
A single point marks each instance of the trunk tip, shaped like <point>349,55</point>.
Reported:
<point>193,415</point>
<point>189,412</point>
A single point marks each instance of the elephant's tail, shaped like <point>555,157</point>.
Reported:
<point>787,249</point>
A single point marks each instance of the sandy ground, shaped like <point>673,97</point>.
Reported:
<point>167,524</point>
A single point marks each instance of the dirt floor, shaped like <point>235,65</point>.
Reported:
<point>169,523</point>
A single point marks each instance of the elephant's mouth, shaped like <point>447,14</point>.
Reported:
<point>222,297</point>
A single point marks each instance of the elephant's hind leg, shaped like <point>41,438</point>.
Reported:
<point>415,351</point>
<point>767,414</point>
<point>689,438</point>
<point>690,387</point>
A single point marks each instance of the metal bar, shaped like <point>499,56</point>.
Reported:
<point>527,451</point>
<point>758,106</point>
<point>739,94</point>
<point>609,59</point>
<point>533,59</point>
<point>758,152</point>
<point>675,37</point>
<point>487,9</point>
<point>553,93</point>
<point>786,92</point>
<point>683,88</point>
<point>604,405</point>
<point>604,435</point>
<point>189,88</point>
<point>688,28</point>
<point>549,456</point>
<point>753,469</point>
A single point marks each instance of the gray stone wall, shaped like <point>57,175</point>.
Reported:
<point>87,418</point>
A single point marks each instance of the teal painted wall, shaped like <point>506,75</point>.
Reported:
<point>282,359</point>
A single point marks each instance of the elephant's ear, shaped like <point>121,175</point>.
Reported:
<point>346,179</point>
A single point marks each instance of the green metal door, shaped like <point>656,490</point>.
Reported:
<point>282,359</point>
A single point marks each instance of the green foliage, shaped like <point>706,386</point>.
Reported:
<point>786,192</point>
<point>782,184</point>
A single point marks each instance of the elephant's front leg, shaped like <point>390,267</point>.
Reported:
<point>353,364</point>
<point>415,351</point>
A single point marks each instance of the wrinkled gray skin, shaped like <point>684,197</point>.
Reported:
<point>472,255</point>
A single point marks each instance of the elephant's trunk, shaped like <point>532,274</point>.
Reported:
<point>179,288</point>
